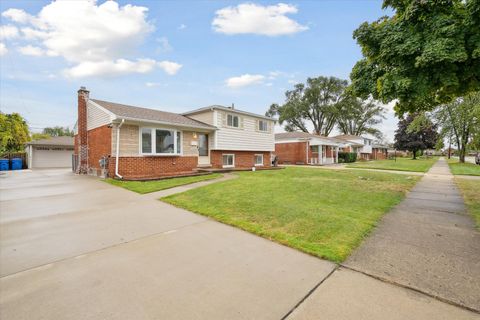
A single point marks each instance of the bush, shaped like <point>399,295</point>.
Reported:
<point>346,157</point>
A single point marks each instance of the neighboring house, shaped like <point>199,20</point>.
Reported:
<point>306,148</point>
<point>55,152</point>
<point>360,145</point>
<point>379,152</point>
<point>150,143</point>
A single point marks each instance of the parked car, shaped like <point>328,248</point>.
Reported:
<point>477,158</point>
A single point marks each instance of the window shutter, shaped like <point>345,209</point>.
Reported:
<point>257,126</point>
<point>240,122</point>
<point>223,115</point>
<point>270,126</point>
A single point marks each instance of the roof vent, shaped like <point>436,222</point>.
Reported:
<point>233,106</point>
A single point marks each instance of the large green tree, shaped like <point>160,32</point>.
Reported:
<point>58,131</point>
<point>425,54</point>
<point>357,117</point>
<point>460,119</point>
<point>315,103</point>
<point>13,132</point>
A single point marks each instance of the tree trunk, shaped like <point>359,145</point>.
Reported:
<point>414,154</point>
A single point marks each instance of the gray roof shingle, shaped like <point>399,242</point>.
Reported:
<point>53,141</point>
<point>145,114</point>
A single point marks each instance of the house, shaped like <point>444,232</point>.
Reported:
<point>123,141</point>
<point>360,145</point>
<point>379,152</point>
<point>54,152</point>
<point>306,148</point>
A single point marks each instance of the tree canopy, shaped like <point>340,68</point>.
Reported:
<point>426,54</point>
<point>317,103</point>
<point>58,131</point>
<point>460,119</point>
<point>357,117</point>
<point>413,138</point>
<point>13,132</point>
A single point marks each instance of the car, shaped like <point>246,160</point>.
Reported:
<point>477,158</point>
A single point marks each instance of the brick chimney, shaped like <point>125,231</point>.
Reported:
<point>82,167</point>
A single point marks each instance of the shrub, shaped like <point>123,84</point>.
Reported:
<point>346,157</point>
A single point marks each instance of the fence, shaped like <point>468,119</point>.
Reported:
<point>11,155</point>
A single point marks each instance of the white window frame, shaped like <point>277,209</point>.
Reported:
<point>233,160</point>
<point>233,116</point>
<point>255,160</point>
<point>154,144</point>
<point>266,125</point>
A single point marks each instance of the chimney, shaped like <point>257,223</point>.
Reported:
<point>82,166</point>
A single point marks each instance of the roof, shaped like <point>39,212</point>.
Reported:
<point>350,137</point>
<point>380,146</point>
<point>53,141</point>
<point>145,114</point>
<point>228,109</point>
<point>303,135</point>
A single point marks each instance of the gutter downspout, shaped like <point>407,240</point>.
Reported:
<point>117,149</point>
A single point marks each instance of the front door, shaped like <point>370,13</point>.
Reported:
<point>203,154</point>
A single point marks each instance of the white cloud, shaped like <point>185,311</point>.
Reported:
<point>244,80</point>
<point>182,27</point>
<point>100,38</point>
<point>152,84</point>
<point>169,67</point>
<point>257,19</point>
<point>32,51</point>
<point>8,32</point>
<point>3,49</point>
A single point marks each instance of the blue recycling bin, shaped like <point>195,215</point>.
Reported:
<point>4,165</point>
<point>16,164</point>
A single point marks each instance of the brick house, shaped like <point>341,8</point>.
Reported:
<point>379,152</point>
<point>130,142</point>
<point>306,148</point>
<point>362,146</point>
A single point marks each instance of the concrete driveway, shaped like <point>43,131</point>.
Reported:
<point>74,247</point>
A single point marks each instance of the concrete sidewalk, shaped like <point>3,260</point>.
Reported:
<point>428,243</point>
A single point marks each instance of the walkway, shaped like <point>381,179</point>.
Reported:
<point>428,243</point>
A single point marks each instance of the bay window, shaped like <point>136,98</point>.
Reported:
<point>160,141</point>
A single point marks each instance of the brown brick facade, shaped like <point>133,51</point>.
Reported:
<point>379,154</point>
<point>81,144</point>
<point>152,166</point>
<point>291,152</point>
<point>99,145</point>
<point>243,159</point>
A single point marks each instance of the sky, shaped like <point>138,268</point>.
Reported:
<point>172,55</point>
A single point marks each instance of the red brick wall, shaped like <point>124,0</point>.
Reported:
<point>243,159</point>
<point>379,154</point>
<point>99,145</point>
<point>82,131</point>
<point>152,166</point>
<point>291,152</point>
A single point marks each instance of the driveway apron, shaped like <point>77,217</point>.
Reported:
<point>428,243</point>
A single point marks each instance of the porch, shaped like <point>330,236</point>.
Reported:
<point>322,154</point>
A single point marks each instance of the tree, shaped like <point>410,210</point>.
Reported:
<point>357,117</point>
<point>13,132</point>
<point>424,137</point>
<point>317,103</point>
<point>40,136</point>
<point>461,120</point>
<point>427,53</point>
<point>58,131</point>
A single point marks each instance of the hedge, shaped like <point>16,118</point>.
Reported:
<point>346,157</point>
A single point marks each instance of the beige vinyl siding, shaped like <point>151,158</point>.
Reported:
<point>130,142</point>
<point>96,117</point>
<point>205,117</point>
<point>247,137</point>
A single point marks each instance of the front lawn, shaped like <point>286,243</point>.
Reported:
<point>143,187</point>
<point>464,168</point>
<point>326,213</point>
<point>401,164</point>
<point>471,193</point>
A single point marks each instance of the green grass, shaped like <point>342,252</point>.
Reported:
<point>464,168</point>
<point>325,213</point>
<point>471,193</point>
<point>143,187</point>
<point>402,164</point>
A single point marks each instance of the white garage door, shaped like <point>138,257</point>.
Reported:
<point>53,157</point>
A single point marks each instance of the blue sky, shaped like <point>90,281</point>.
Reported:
<point>190,50</point>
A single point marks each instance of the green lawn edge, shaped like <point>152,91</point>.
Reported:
<point>463,169</point>
<point>144,187</point>
<point>294,241</point>
<point>471,194</point>
<point>401,164</point>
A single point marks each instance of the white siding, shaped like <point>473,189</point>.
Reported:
<point>246,138</point>
<point>96,117</point>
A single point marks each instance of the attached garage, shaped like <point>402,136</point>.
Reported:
<point>55,152</point>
